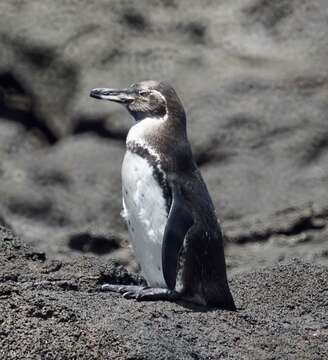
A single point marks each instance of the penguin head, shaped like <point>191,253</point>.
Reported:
<point>144,99</point>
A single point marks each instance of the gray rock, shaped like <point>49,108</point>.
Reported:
<point>252,75</point>
<point>73,187</point>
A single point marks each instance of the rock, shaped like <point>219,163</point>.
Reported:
<point>293,221</point>
<point>268,240</point>
<point>252,77</point>
<point>73,187</point>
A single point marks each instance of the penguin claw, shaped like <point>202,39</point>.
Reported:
<point>122,289</point>
<point>135,293</point>
<point>149,294</point>
<point>129,295</point>
<point>140,293</point>
<point>109,287</point>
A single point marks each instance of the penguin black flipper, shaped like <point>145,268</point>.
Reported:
<point>179,221</point>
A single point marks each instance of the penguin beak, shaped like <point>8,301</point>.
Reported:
<point>120,96</point>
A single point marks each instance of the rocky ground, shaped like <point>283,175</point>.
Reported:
<point>253,77</point>
<point>51,310</point>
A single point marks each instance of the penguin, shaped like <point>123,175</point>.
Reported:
<point>170,216</point>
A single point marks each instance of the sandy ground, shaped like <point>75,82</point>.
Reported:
<point>51,310</point>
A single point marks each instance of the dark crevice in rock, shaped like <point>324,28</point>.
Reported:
<point>98,127</point>
<point>169,3</point>
<point>316,148</point>
<point>51,177</point>
<point>40,56</point>
<point>214,152</point>
<point>290,222</point>
<point>33,208</point>
<point>203,158</point>
<point>112,56</point>
<point>195,30</point>
<point>17,104</point>
<point>135,19</point>
<point>270,13</point>
<point>207,154</point>
<point>99,245</point>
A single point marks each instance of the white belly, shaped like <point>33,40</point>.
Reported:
<point>146,216</point>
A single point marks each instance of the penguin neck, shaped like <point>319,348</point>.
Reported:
<point>145,129</point>
<point>164,138</point>
<point>155,130</point>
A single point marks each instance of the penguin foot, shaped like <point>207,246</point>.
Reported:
<point>141,293</point>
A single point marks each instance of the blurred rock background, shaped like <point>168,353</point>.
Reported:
<point>253,77</point>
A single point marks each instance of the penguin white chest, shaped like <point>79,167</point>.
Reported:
<point>144,209</point>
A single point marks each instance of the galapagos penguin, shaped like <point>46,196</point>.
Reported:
<point>170,215</point>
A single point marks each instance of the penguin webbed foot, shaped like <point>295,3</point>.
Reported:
<point>141,293</point>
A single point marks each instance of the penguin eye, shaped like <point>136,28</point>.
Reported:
<point>144,92</point>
